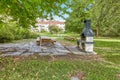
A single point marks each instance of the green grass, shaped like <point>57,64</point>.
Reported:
<point>41,68</point>
<point>109,50</point>
<point>59,34</point>
<point>35,69</point>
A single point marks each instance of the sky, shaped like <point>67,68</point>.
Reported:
<point>65,15</point>
<point>69,9</point>
<point>59,18</point>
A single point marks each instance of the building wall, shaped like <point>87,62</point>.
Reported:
<point>44,24</point>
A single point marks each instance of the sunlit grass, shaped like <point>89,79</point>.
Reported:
<point>37,69</point>
<point>41,68</point>
<point>109,50</point>
<point>59,34</point>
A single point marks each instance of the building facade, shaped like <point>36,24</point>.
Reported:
<point>43,24</point>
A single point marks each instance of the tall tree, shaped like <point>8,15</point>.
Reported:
<point>105,15</point>
<point>80,11</point>
<point>25,11</point>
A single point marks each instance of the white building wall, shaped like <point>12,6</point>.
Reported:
<point>46,26</point>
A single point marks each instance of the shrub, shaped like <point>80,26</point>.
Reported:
<point>8,32</point>
<point>54,29</point>
<point>43,31</point>
<point>24,33</point>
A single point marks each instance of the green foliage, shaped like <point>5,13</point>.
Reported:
<point>54,29</point>
<point>105,17</point>
<point>23,33</point>
<point>5,34</point>
<point>74,23</point>
<point>26,11</point>
<point>43,31</point>
<point>103,14</point>
<point>10,31</point>
<point>7,31</point>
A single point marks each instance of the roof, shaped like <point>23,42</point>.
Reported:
<point>51,22</point>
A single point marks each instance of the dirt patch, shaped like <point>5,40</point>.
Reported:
<point>78,57</point>
<point>51,58</point>
<point>77,75</point>
<point>66,43</point>
<point>118,76</point>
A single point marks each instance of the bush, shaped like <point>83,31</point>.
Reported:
<point>54,29</point>
<point>8,32</point>
<point>24,33</point>
<point>43,31</point>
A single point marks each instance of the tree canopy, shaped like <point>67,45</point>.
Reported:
<point>25,11</point>
<point>103,13</point>
<point>80,11</point>
<point>106,17</point>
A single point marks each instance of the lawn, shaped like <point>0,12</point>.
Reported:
<point>44,68</point>
<point>40,69</point>
<point>110,50</point>
<point>59,34</point>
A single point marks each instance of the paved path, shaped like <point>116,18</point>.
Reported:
<point>26,48</point>
<point>29,48</point>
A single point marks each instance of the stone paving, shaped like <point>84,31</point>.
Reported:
<point>26,48</point>
<point>29,48</point>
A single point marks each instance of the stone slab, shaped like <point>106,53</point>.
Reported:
<point>30,48</point>
<point>74,50</point>
<point>12,54</point>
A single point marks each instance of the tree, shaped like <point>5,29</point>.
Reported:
<point>25,11</point>
<point>105,16</point>
<point>80,11</point>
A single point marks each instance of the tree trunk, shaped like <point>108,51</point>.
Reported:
<point>97,31</point>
